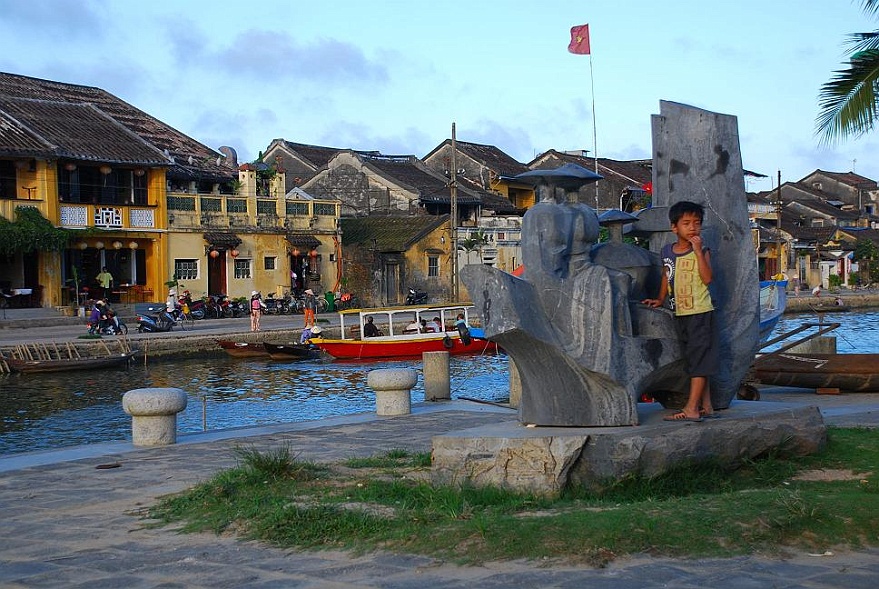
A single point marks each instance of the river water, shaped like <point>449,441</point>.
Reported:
<point>50,411</point>
<point>39,412</point>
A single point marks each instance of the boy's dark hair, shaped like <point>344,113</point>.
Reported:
<point>678,210</point>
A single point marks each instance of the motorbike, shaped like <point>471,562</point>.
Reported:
<point>224,308</point>
<point>273,305</point>
<point>416,297</point>
<point>197,308</point>
<point>160,320</point>
<point>238,309</point>
<point>111,324</point>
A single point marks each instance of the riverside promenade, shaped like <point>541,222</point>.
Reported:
<point>69,521</point>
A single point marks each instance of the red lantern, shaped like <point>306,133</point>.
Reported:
<point>234,253</point>
<point>215,254</point>
<point>312,254</point>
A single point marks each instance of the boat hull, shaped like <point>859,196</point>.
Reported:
<point>374,349</point>
<point>847,372</point>
<point>288,352</point>
<point>773,300</point>
<point>34,366</point>
<point>243,349</point>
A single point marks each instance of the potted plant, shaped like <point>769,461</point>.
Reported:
<point>75,278</point>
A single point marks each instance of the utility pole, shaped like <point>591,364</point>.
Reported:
<point>453,221</point>
<point>778,225</point>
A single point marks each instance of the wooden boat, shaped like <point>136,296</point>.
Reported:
<point>64,364</point>
<point>830,307</point>
<point>289,352</point>
<point>846,372</point>
<point>397,340</point>
<point>773,299</point>
<point>243,349</point>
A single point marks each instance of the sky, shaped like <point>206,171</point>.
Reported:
<point>394,75</point>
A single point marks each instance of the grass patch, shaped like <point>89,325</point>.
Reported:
<point>386,502</point>
<point>391,459</point>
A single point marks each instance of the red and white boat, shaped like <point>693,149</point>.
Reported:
<point>398,339</point>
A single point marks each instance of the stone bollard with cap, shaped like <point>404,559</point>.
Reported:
<point>153,414</point>
<point>392,388</point>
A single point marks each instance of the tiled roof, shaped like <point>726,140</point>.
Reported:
<point>317,155</point>
<point>306,240</point>
<point>490,200</point>
<point>637,172</point>
<point>849,178</point>
<point>222,239</point>
<point>191,159</point>
<point>819,206</point>
<point>407,169</point>
<point>75,131</point>
<point>391,234</point>
<point>492,158</point>
<point>862,233</point>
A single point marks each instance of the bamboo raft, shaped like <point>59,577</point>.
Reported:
<point>52,357</point>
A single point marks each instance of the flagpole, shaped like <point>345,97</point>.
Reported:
<point>580,45</point>
<point>594,129</point>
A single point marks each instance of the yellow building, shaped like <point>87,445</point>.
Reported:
<point>98,169</point>
<point>258,239</point>
<point>89,175</point>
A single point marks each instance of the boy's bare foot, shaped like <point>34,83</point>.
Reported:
<point>681,416</point>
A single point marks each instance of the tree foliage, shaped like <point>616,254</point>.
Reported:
<point>31,231</point>
<point>849,102</point>
<point>865,249</point>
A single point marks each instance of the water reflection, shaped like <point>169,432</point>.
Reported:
<point>44,411</point>
<point>857,334</point>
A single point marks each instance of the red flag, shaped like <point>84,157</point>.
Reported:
<point>579,40</point>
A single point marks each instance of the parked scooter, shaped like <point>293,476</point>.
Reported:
<point>197,308</point>
<point>416,297</point>
<point>272,305</point>
<point>238,308</point>
<point>160,320</point>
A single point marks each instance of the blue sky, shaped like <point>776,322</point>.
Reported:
<point>393,75</point>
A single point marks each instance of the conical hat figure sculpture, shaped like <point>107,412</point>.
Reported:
<point>585,347</point>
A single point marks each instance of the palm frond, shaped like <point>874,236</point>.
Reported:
<point>862,42</point>
<point>870,6</point>
<point>848,102</point>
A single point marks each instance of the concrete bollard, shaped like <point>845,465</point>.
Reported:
<point>153,414</point>
<point>823,344</point>
<point>437,386</point>
<point>392,388</point>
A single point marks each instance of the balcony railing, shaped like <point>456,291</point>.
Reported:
<point>107,216</point>
<point>195,211</point>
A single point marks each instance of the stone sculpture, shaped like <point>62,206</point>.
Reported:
<point>585,348</point>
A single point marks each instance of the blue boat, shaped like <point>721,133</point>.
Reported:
<point>773,298</point>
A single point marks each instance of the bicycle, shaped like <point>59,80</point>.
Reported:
<point>182,318</point>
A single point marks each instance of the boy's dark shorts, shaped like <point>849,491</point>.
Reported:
<point>698,343</point>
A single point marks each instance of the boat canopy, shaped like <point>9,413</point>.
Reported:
<point>395,320</point>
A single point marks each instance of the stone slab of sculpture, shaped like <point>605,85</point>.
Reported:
<point>585,348</point>
<point>696,156</point>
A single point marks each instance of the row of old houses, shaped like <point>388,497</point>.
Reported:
<point>158,208</point>
<point>812,230</point>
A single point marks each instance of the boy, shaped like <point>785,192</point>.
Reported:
<point>686,278</point>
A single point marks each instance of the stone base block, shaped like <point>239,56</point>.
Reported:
<point>545,460</point>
